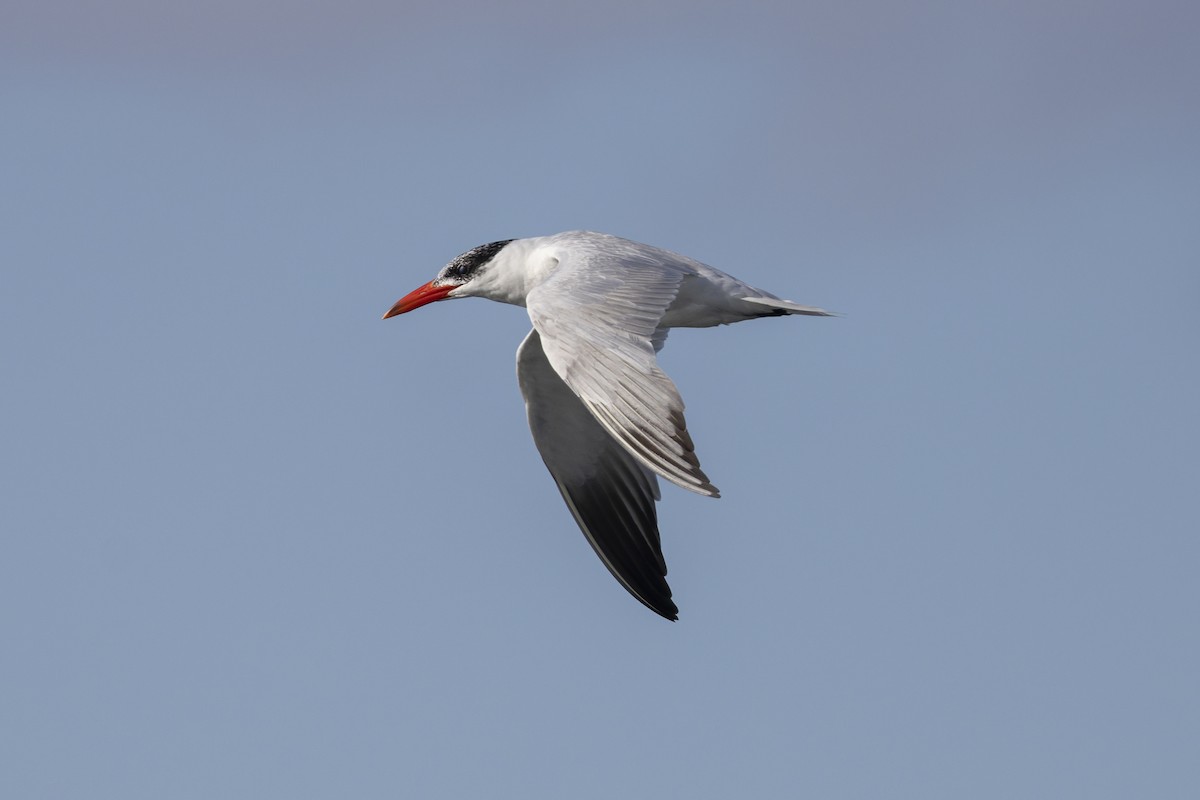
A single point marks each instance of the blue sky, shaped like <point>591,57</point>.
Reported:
<point>259,543</point>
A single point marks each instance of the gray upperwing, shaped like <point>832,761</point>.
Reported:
<point>599,322</point>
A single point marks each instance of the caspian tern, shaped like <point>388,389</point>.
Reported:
<point>605,418</point>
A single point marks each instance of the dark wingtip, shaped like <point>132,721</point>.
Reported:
<point>662,605</point>
<point>659,602</point>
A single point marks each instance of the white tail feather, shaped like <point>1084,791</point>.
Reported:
<point>788,306</point>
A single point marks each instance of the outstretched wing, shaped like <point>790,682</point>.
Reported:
<point>610,494</point>
<point>598,316</point>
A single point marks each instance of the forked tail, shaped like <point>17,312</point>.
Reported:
<point>788,307</point>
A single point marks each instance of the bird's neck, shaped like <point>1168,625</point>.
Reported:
<point>516,271</point>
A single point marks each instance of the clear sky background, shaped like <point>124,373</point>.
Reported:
<point>258,543</point>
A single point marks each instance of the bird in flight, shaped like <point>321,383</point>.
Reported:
<point>605,418</point>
